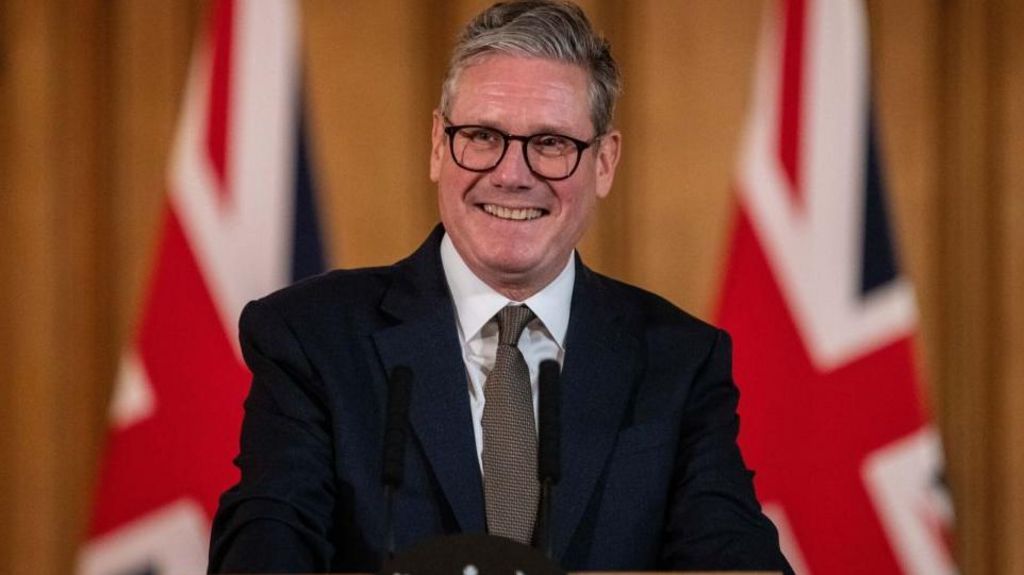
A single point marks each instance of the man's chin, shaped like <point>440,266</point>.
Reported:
<point>524,277</point>
<point>513,269</point>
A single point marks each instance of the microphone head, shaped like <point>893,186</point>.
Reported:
<point>549,467</point>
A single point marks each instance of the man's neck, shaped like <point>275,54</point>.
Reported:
<point>476,301</point>
<point>515,291</point>
<point>517,287</point>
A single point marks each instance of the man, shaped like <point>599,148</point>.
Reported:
<point>522,149</point>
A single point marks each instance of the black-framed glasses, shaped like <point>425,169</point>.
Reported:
<point>549,156</point>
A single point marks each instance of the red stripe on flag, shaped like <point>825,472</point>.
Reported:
<point>791,93</point>
<point>184,449</point>
<point>806,432</point>
<point>220,94</point>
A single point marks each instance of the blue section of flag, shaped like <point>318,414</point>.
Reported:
<point>307,245</point>
<point>878,257</point>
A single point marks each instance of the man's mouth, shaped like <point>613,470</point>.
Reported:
<point>517,214</point>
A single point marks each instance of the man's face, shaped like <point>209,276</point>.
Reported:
<point>514,229</point>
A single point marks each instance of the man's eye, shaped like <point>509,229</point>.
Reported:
<point>480,136</point>
<point>551,144</point>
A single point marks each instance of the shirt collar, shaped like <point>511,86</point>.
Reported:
<point>476,302</point>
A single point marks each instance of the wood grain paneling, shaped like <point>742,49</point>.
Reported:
<point>1008,220</point>
<point>81,235</point>
<point>688,69</point>
<point>966,275</point>
<point>372,106</point>
<point>31,374</point>
<point>7,260</point>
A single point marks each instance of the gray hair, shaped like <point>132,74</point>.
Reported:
<point>555,30</point>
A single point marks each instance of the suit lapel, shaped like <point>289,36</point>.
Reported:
<point>425,339</point>
<point>597,383</point>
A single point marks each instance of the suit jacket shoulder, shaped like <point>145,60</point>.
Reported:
<point>645,310</point>
<point>335,305</point>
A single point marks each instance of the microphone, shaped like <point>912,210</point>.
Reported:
<point>395,429</point>
<point>549,467</point>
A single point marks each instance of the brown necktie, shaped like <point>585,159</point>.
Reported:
<point>511,489</point>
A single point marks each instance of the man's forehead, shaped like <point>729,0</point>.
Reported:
<point>523,65</point>
<point>529,89</point>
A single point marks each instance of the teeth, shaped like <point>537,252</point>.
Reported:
<point>513,213</point>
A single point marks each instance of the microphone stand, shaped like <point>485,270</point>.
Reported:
<point>389,496</point>
<point>396,427</point>
<point>548,456</point>
<point>546,540</point>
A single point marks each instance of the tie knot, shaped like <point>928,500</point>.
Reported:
<point>512,319</point>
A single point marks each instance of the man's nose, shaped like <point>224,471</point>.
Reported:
<point>512,171</point>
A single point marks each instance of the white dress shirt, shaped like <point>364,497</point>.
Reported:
<point>476,303</point>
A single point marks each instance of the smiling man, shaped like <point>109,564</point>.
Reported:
<point>523,148</point>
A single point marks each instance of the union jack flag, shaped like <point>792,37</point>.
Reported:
<point>849,466</point>
<point>239,221</point>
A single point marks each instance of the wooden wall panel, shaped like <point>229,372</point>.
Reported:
<point>1008,448</point>
<point>80,235</point>
<point>7,259</point>
<point>372,125</point>
<point>688,69</point>
<point>604,245</point>
<point>965,276</point>
<point>30,283</point>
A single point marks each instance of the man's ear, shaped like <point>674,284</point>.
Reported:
<point>437,146</point>
<point>608,151</point>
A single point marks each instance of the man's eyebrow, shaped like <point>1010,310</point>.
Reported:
<point>540,129</point>
<point>552,129</point>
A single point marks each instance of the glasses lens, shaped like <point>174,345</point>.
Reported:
<point>477,148</point>
<point>552,156</point>
<point>480,149</point>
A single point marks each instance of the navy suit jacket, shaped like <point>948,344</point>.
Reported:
<point>651,477</point>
